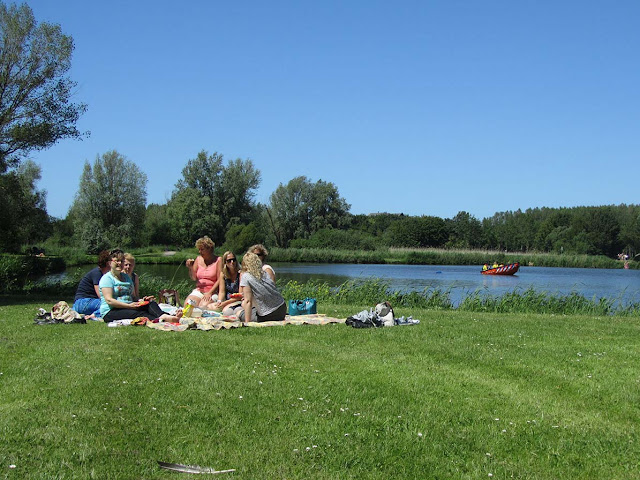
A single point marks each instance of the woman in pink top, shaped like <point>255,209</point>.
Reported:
<point>205,270</point>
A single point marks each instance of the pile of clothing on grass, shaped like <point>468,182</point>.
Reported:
<point>380,316</point>
<point>61,312</point>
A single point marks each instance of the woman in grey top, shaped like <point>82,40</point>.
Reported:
<point>262,301</point>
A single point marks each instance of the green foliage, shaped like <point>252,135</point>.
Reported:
<point>15,270</point>
<point>240,237</point>
<point>157,226</point>
<point>337,239</point>
<point>465,231</point>
<point>23,216</point>
<point>211,198</point>
<point>417,232</point>
<point>604,230</point>
<point>35,107</point>
<point>109,206</point>
<point>300,208</point>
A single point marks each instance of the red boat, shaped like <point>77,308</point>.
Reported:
<point>508,269</point>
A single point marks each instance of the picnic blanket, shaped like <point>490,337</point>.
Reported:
<point>227,323</point>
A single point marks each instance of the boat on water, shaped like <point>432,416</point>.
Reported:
<point>508,269</point>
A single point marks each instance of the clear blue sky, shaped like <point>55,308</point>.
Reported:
<point>421,107</point>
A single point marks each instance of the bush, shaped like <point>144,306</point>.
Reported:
<point>337,239</point>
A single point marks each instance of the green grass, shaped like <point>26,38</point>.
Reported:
<point>462,395</point>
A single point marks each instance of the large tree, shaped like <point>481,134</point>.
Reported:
<point>35,92</point>
<point>109,206</point>
<point>23,217</point>
<point>212,197</point>
<point>300,208</point>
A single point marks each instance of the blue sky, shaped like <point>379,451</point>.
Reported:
<point>420,107</point>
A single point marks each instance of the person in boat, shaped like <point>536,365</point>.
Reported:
<point>485,267</point>
<point>87,299</point>
<point>495,265</point>
<point>262,301</point>
<point>205,270</point>
<point>117,301</point>
<point>229,285</point>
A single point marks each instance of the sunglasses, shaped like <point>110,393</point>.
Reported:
<point>231,260</point>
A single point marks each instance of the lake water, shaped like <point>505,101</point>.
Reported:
<point>621,285</point>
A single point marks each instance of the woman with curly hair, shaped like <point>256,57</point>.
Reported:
<point>205,270</point>
<point>262,301</point>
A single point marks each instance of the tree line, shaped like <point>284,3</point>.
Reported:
<point>216,197</point>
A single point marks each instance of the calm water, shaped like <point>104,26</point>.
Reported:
<point>622,285</point>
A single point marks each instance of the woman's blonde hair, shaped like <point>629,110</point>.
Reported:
<point>129,257</point>
<point>225,270</point>
<point>261,249</point>
<point>205,242</point>
<point>251,264</point>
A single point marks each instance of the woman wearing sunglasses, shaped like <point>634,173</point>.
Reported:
<point>229,285</point>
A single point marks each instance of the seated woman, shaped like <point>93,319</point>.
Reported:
<point>262,301</point>
<point>205,270</point>
<point>116,296</point>
<point>87,299</point>
<point>262,253</point>
<point>129,265</point>
<point>229,285</point>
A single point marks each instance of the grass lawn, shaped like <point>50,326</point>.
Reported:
<point>462,395</point>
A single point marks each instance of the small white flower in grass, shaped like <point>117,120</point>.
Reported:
<point>296,450</point>
<point>579,354</point>
<point>153,408</point>
<point>12,466</point>
<point>260,382</point>
<point>488,454</point>
<point>346,434</point>
<point>300,398</point>
<point>419,434</point>
<point>315,446</point>
<point>240,397</point>
<point>497,419</point>
<point>555,426</point>
<point>73,416</point>
<point>504,431</point>
<point>308,448</point>
<point>124,381</point>
<point>491,474</point>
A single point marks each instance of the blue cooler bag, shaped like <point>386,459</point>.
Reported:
<point>302,307</point>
